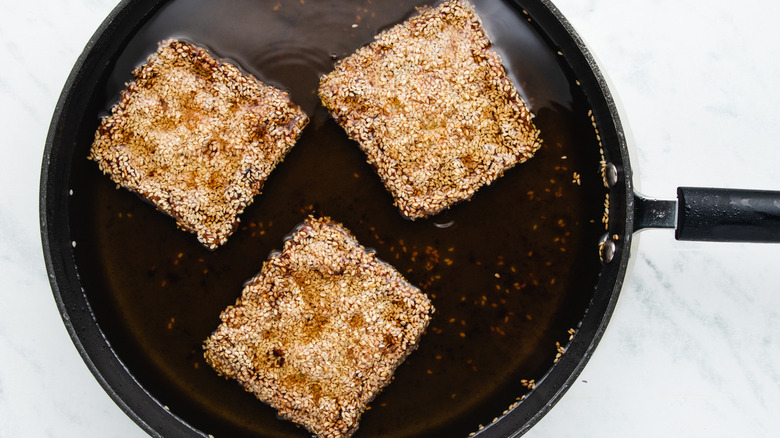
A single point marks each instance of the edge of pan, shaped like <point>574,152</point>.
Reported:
<point>54,214</point>
<point>620,205</point>
<point>141,406</point>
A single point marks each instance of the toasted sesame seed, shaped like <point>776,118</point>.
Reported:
<point>430,103</point>
<point>196,137</point>
<point>318,333</point>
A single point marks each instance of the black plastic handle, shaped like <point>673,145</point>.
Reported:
<point>728,215</point>
<point>715,215</point>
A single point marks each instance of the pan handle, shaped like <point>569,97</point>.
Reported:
<point>715,215</point>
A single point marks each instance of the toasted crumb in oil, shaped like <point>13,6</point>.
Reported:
<point>530,384</point>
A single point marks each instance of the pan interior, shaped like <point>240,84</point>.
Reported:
<point>510,272</point>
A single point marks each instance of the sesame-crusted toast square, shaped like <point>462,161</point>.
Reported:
<point>196,137</point>
<point>320,330</point>
<point>430,103</point>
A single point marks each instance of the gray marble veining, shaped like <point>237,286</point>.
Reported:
<point>693,348</point>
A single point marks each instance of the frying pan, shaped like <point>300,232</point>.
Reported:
<point>117,291</point>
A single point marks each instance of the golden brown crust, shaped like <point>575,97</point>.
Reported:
<point>197,138</point>
<point>431,106</point>
<point>319,332</point>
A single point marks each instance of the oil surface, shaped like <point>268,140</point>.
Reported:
<point>510,272</point>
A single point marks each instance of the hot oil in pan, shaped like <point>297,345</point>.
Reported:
<point>510,272</point>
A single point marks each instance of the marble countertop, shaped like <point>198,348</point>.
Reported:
<point>693,348</point>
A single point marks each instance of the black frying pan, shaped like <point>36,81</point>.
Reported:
<point>530,268</point>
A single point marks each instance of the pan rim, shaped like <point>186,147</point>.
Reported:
<point>89,340</point>
<point>565,372</point>
<point>108,368</point>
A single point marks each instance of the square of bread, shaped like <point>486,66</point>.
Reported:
<point>431,105</point>
<point>196,137</point>
<point>320,330</point>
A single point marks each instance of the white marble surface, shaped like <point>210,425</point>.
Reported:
<point>693,348</point>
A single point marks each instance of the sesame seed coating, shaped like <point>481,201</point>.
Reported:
<point>320,330</point>
<point>431,105</point>
<point>197,138</point>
